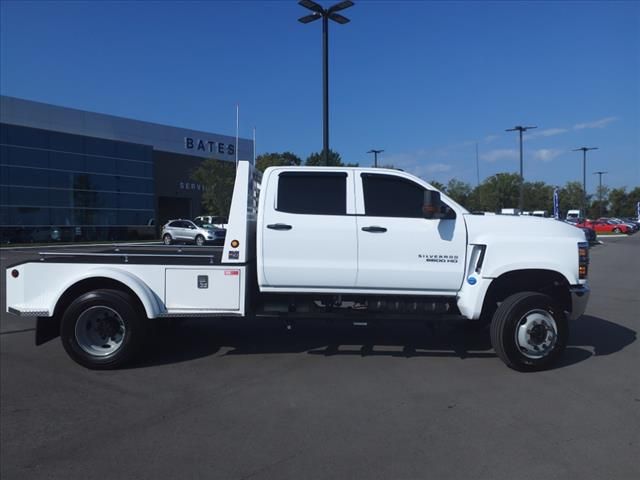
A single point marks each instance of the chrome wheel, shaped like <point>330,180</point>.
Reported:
<point>100,331</point>
<point>199,240</point>
<point>536,334</point>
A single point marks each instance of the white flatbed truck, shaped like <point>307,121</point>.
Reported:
<point>348,243</point>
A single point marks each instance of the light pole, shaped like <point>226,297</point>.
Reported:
<point>600,189</point>
<point>375,156</point>
<point>520,129</point>
<point>325,15</point>
<point>584,174</point>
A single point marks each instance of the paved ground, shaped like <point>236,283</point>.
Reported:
<point>224,401</point>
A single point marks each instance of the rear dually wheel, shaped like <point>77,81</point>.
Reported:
<point>102,329</point>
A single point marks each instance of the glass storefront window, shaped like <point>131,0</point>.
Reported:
<point>27,177</point>
<point>102,165</point>
<point>134,169</point>
<point>100,147</point>
<point>88,188</point>
<point>66,142</point>
<point>29,216</point>
<point>67,161</point>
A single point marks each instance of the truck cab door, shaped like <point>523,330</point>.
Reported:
<point>308,236</point>
<point>400,249</point>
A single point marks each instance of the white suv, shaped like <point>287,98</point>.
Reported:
<point>187,231</point>
<point>218,222</point>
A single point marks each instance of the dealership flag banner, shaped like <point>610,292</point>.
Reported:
<point>556,204</point>
<point>638,210</point>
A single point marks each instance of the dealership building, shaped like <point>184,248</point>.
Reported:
<point>70,175</point>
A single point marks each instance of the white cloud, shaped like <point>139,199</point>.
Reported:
<point>491,138</point>
<point>603,122</point>
<point>547,154</point>
<point>499,154</point>
<point>549,132</point>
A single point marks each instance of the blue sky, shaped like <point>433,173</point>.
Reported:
<point>424,81</point>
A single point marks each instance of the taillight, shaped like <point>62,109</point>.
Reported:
<point>583,260</point>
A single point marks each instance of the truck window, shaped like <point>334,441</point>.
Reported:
<point>315,193</point>
<point>389,196</point>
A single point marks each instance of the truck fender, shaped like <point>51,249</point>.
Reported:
<point>152,304</point>
<point>512,267</point>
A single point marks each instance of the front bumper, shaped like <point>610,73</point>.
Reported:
<point>579,298</point>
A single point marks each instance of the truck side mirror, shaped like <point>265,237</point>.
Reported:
<point>432,205</point>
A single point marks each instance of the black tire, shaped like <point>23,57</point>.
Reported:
<point>200,240</point>
<point>166,239</point>
<point>509,327</point>
<point>79,327</point>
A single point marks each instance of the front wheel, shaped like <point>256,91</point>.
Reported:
<point>102,329</point>
<point>166,239</point>
<point>616,230</point>
<point>529,331</point>
<point>200,240</point>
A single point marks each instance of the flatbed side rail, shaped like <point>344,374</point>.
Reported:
<point>207,258</point>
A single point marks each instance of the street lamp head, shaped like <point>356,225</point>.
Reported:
<point>584,149</point>
<point>330,13</point>
<point>313,6</point>
<point>310,18</point>
<point>336,17</point>
<point>340,6</point>
<point>519,128</point>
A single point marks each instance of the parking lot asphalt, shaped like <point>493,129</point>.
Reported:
<point>249,400</point>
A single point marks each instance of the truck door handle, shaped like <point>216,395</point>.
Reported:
<point>279,226</point>
<point>374,229</point>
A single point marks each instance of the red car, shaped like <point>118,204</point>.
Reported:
<point>600,226</point>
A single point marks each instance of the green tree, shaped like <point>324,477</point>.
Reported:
<point>459,191</point>
<point>335,160</point>
<point>499,191</point>
<point>440,186</point>
<point>632,201</point>
<point>217,177</point>
<point>596,210</point>
<point>619,202</point>
<point>538,196</point>
<point>276,160</point>
<point>570,197</point>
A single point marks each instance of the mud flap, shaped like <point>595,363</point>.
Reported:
<point>47,328</point>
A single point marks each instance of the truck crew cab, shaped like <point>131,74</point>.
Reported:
<point>302,242</point>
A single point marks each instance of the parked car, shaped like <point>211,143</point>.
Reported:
<point>605,227</point>
<point>218,222</point>
<point>574,214</point>
<point>616,221</point>
<point>589,233</point>
<point>187,231</point>
<point>46,234</point>
<point>635,221</point>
